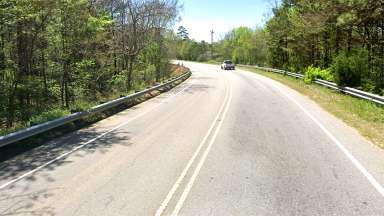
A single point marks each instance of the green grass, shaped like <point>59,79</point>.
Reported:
<point>365,116</point>
<point>212,62</point>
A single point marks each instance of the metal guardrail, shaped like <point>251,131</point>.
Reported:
<point>347,90</point>
<point>41,128</point>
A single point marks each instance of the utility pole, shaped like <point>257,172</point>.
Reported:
<point>212,32</point>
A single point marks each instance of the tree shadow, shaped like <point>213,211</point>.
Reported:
<point>23,146</point>
<point>34,158</point>
<point>45,152</point>
<point>23,204</point>
<point>22,199</point>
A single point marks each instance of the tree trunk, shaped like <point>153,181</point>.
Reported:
<point>286,51</point>
<point>11,105</point>
<point>130,72</point>
<point>44,74</point>
<point>158,57</point>
<point>326,58</point>
<point>337,41</point>
<point>21,71</point>
<point>2,53</point>
<point>65,90</point>
<point>349,41</point>
<point>62,91</point>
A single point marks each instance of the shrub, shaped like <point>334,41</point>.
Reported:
<point>82,106</point>
<point>48,116</point>
<point>212,62</point>
<point>349,70</point>
<point>119,81</point>
<point>201,58</point>
<point>313,73</point>
<point>5,131</point>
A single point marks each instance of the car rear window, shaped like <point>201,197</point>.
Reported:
<point>228,62</point>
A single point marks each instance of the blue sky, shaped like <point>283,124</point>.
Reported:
<point>200,16</point>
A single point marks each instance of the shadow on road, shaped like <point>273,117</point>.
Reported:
<point>23,204</point>
<point>30,160</point>
<point>11,168</point>
<point>21,199</point>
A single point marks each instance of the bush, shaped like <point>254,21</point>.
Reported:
<point>201,58</point>
<point>212,62</point>
<point>6,131</point>
<point>313,73</point>
<point>349,70</point>
<point>82,106</point>
<point>48,116</point>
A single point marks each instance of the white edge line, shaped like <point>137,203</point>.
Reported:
<point>349,155</point>
<point>87,143</point>
<point>175,186</point>
<point>189,186</point>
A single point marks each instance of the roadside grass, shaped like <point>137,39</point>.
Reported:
<point>365,116</point>
<point>213,62</point>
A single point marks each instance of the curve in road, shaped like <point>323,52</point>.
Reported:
<point>222,143</point>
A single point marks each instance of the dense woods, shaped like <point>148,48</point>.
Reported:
<point>58,56</point>
<point>346,36</point>
<point>339,40</point>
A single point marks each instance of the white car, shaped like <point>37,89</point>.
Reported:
<point>228,65</point>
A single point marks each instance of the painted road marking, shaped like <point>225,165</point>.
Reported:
<point>189,186</point>
<point>349,155</point>
<point>89,142</point>
<point>176,185</point>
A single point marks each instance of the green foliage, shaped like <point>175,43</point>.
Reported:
<point>80,106</point>
<point>244,46</point>
<point>212,62</point>
<point>313,73</point>
<point>344,34</point>
<point>118,81</point>
<point>182,33</point>
<point>192,50</point>
<point>349,70</point>
<point>74,53</point>
<point>98,24</point>
<point>48,116</point>
<point>5,131</point>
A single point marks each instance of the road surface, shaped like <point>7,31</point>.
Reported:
<point>222,143</point>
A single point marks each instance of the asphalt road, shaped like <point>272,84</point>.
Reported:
<point>222,143</point>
